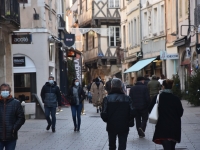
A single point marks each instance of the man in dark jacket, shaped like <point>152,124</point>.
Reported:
<point>50,94</point>
<point>118,113</point>
<point>11,118</point>
<point>140,97</point>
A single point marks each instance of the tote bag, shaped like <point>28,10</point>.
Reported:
<point>153,116</point>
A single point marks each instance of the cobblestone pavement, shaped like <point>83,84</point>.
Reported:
<point>93,135</point>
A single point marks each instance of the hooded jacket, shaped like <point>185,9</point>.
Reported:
<point>51,95</point>
<point>11,119</point>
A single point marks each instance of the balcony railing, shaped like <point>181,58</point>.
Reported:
<point>9,10</point>
<point>61,23</point>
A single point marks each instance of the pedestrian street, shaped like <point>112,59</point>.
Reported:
<point>93,135</point>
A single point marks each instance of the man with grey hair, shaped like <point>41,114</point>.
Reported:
<point>118,113</point>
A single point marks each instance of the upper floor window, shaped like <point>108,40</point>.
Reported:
<point>113,3</point>
<point>114,35</point>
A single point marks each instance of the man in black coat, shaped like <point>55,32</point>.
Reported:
<point>108,85</point>
<point>51,95</point>
<point>118,113</point>
<point>141,100</point>
<point>11,118</point>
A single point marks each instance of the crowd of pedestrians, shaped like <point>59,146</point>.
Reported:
<point>117,108</point>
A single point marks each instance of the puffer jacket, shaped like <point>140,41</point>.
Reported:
<point>51,95</point>
<point>140,96</point>
<point>117,111</point>
<point>11,119</point>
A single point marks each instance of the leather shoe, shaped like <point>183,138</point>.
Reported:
<point>48,126</point>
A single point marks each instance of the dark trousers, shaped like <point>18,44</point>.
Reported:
<point>168,145</point>
<point>122,138</point>
<point>76,111</point>
<point>8,145</point>
<point>141,119</point>
<point>52,111</point>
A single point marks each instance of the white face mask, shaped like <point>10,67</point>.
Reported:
<point>5,94</point>
<point>77,83</point>
<point>51,81</point>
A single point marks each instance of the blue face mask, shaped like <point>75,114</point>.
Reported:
<point>51,81</point>
<point>77,83</point>
<point>5,94</point>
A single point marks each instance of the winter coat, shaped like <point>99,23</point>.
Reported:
<point>11,119</point>
<point>51,95</point>
<point>118,112</point>
<point>81,94</point>
<point>98,93</point>
<point>169,121</point>
<point>154,87</point>
<point>140,96</point>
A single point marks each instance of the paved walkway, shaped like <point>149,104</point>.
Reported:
<point>93,135</point>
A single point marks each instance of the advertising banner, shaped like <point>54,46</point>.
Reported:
<point>78,67</point>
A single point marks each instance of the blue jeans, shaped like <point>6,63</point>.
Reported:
<point>52,111</point>
<point>9,145</point>
<point>76,111</point>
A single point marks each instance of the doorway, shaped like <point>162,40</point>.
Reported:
<point>24,86</point>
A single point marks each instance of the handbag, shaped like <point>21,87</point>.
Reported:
<point>153,116</point>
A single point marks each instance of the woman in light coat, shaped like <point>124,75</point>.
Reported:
<point>98,93</point>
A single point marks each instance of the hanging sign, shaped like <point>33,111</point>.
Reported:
<point>69,39</point>
<point>22,39</point>
<point>78,67</point>
<point>19,62</point>
<point>198,48</point>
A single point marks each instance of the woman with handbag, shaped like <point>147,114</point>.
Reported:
<point>76,96</point>
<point>170,110</point>
<point>98,92</point>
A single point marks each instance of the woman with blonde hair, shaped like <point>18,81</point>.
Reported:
<point>168,127</point>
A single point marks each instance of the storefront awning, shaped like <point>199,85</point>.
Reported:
<point>180,41</point>
<point>139,65</point>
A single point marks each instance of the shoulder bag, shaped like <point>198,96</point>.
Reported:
<point>153,116</point>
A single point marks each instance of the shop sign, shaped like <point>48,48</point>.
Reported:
<point>198,48</point>
<point>22,39</point>
<point>69,39</point>
<point>19,62</point>
<point>164,55</point>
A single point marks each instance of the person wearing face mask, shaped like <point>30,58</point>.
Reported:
<point>76,95</point>
<point>11,118</point>
<point>51,98</point>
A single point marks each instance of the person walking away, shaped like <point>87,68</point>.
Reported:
<point>97,91</point>
<point>168,127</point>
<point>51,97</point>
<point>108,85</point>
<point>77,95</point>
<point>118,112</point>
<point>141,101</point>
<point>86,98</point>
<point>153,86</point>
<point>146,79</point>
<point>11,118</point>
<point>162,78</point>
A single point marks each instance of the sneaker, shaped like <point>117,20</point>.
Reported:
<point>61,110</point>
<point>141,133</point>
<point>53,130</point>
<point>48,126</point>
<point>83,113</point>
